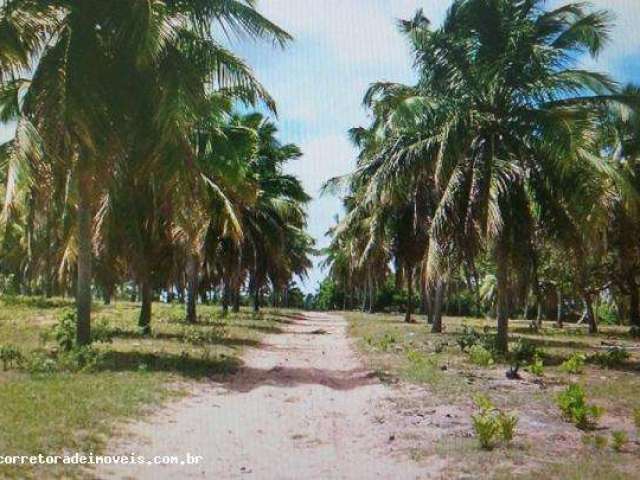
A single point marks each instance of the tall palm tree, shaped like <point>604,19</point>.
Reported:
<point>497,116</point>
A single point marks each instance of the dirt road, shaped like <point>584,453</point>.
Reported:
<point>302,407</point>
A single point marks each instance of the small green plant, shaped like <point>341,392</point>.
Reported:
<point>523,352</point>
<point>64,332</point>
<point>481,356</point>
<point>536,367</point>
<point>491,425</point>
<point>486,429</point>
<point>39,363</point>
<point>10,355</point>
<point>599,442</point>
<point>575,363</point>
<point>619,439</point>
<point>415,357</point>
<point>613,357</point>
<point>101,332</point>
<point>79,359</point>
<point>386,342</point>
<point>573,405</point>
<point>508,423</point>
<point>636,418</point>
<point>468,338</point>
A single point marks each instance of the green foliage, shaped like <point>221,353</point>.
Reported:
<point>508,423</point>
<point>64,332</point>
<point>608,314</point>
<point>619,439</point>
<point>102,332</point>
<point>613,357</point>
<point>481,356</point>
<point>205,337</point>
<point>575,363</point>
<point>10,355</point>
<point>486,428</point>
<point>468,338</point>
<point>536,367</point>
<point>383,343</point>
<point>636,418</point>
<point>39,363</point>
<point>573,405</point>
<point>599,442</point>
<point>491,425</point>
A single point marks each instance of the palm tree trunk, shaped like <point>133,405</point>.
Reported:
<point>634,304</point>
<point>502,287</point>
<point>256,299</point>
<point>559,313</point>
<point>85,258</point>
<point>144,321</point>
<point>236,300</point>
<point>436,316</point>
<point>409,312</point>
<point>192,288</point>
<point>226,296</point>
<point>588,309</point>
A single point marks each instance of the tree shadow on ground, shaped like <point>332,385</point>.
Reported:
<point>180,337</point>
<point>186,365</point>
<point>250,378</point>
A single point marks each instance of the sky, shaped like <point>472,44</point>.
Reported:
<point>342,46</point>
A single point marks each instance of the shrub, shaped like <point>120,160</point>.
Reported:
<point>536,367</point>
<point>636,417</point>
<point>64,332</point>
<point>468,338</point>
<point>481,356</point>
<point>618,440</point>
<point>387,340</point>
<point>508,423</point>
<point>39,363</point>
<point>614,357</point>
<point>575,363</point>
<point>491,425</point>
<point>573,404</point>
<point>523,352</point>
<point>10,355</point>
<point>79,359</point>
<point>101,332</point>
<point>486,429</point>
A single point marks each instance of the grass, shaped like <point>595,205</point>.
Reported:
<point>69,412</point>
<point>410,353</point>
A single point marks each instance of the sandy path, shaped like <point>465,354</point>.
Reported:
<point>302,407</point>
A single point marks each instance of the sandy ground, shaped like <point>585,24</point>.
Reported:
<point>302,407</point>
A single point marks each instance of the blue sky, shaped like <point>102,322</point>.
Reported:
<point>342,46</point>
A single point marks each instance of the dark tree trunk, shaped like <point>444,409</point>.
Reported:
<point>502,287</point>
<point>438,302</point>
<point>409,312</point>
<point>590,314</point>
<point>144,320</point>
<point>236,300</point>
<point>226,296</point>
<point>85,258</point>
<point>559,313</point>
<point>192,288</point>
<point>256,299</point>
<point>634,304</point>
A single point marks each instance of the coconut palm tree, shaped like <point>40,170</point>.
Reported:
<point>497,116</point>
<point>99,67</point>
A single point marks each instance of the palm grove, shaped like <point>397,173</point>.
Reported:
<point>136,160</point>
<point>506,178</point>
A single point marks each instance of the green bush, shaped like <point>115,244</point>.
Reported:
<point>536,367</point>
<point>10,355</point>
<point>573,405</point>
<point>39,363</point>
<point>468,338</point>
<point>575,363</point>
<point>508,423</point>
<point>613,357</point>
<point>491,425</point>
<point>64,332</point>
<point>481,356</point>
<point>618,440</point>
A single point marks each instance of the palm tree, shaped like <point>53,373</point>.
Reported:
<point>81,57</point>
<point>496,117</point>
